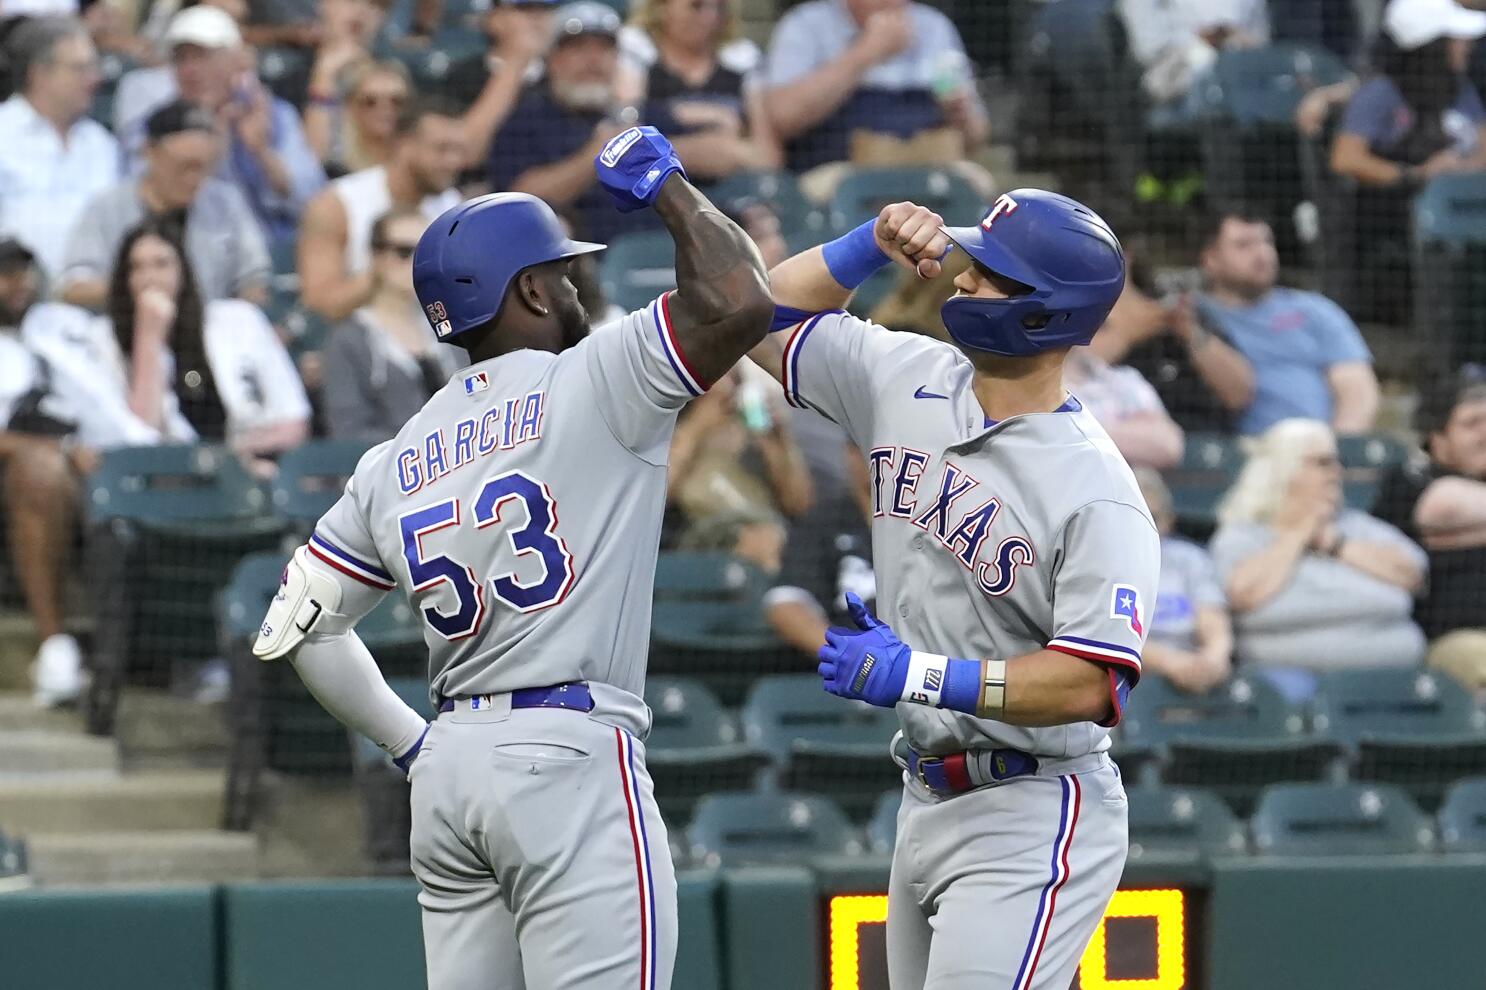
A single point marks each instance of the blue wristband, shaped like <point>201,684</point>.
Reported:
<point>853,257</point>
<point>961,686</point>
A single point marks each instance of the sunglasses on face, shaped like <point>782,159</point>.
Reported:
<point>403,251</point>
<point>370,101</point>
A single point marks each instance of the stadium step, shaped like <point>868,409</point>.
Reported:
<point>24,751</point>
<point>181,856</point>
<point>17,650</point>
<point>161,724</point>
<point>40,804</point>
<point>18,714</point>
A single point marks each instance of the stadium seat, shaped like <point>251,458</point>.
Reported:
<point>165,527</point>
<point>801,222</point>
<point>1365,460</point>
<point>1415,728</point>
<point>865,191</point>
<point>1210,463</point>
<point>1179,820</point>
<point>768,827</point>
<point>882,828</point>
<point>694,746</point>
<point>1233,739</point>
<point>1449,255</point>
<point>637,267</point>
<point>1338,820</point>
<point>13,863</point>
<point>823,743</point>
<point>1462,817</point>
<point>311,478</point>
<point>1252,86</point>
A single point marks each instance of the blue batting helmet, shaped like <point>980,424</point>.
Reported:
<point>1066,256</point>
<point>467,258</point>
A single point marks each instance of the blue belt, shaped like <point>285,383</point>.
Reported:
<point>574,696</point>
<point>957,773</point>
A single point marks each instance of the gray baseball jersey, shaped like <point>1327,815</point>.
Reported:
<point>989,539</point>
<point>521,510</point>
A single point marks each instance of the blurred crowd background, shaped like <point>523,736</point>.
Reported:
<point>207,217</point>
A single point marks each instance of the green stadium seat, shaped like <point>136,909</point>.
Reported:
<point>165,528</point>
<point>1415,728</point>
<point>1339,820</point>
<point>1167,820</point>
<point>882,828</point>
<point>801,222</point>
<point>823,743</point>
<point>1462,817</point>
<point>13,863</point>
<point>768,827</point>
<point>637,267</point>
<point>865,191</point>
<point>311,478</point>
<point>1246,87</point>
<point>694,746</point>
<point>1449,245</point>
<point>1210,463</point>
<point>1365,460</point>
<point>1233,739</point>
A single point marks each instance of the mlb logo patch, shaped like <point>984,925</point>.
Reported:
<point>438,318</point>
<point>478,382</point>
<point>1124,603</point>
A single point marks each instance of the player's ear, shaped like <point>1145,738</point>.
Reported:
<point>531,291</point>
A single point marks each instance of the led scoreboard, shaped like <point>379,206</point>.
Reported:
<point>1144,942</point>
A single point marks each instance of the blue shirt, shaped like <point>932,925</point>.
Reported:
<point>1378,114</point>
<point>1291,338</point>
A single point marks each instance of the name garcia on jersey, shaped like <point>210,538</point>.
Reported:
<point>898,470</point>
<point>501,426</point>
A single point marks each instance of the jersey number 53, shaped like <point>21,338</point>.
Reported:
<point>538,536</point>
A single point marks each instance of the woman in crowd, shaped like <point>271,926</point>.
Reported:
<point>350,123</point>
<point>684,62</point>
<point>383,363</point>
<point>1312,584</point>
<point>184,370</point>
<point>1191,637</point>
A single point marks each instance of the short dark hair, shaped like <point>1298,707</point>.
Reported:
<point>34,42</point>
<point>178,117</point>
<point>1211,227</point>
<point>1443,392</point>
<point>414,110</point>
<point>380,225</point>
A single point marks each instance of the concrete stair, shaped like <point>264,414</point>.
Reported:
<point>37,804</point>
<point>123,857</point>
<point>44,751</point>
<point>18,645</point>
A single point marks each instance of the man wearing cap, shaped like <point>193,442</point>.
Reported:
<point>1440,501</point>
<point>546,146</point>
<point>267,156</point>
<point>224,242</point>
<point>489,84</point>
<point>52,156</point>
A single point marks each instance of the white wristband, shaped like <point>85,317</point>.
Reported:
<point>925,678</point>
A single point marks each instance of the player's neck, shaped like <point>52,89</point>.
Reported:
<point>1007,387</point>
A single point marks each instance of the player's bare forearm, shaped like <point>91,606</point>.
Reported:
<point>804,282</point>
<point>722,307</point>
<point>1052,688</point>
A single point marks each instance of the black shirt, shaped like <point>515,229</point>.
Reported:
<point>1454,599</point>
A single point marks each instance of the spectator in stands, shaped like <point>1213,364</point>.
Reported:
<point>382,363</point>
<point>223,239</point>
<point>489,85</point>
<point>267,156</point>
<point>323,24</point>
<point>873,82</point>
<point>1440,500</point>
<point>1313,585</point>
<point>1271,353</point>
<point>684,63</point>
<point>1191,637</point>
<point>351,117</point>
<point>733,450</point>
<point>547,144</point>
<point>752,534</point>
<point>53,157</point>
<point>1125,404</point>
<point>335,270</point>
<point>185,367</point>
<point>1175,40</point>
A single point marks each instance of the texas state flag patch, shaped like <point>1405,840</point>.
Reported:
<point>1124,603</point>
<point>478,382</point>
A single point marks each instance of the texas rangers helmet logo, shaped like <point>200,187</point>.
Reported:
<point>1124,603</point>
<point>438,316</point>
<point>1003,205</point>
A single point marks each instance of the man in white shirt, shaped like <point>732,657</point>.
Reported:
<point>53,157</point>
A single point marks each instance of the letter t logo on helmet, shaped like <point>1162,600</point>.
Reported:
<point>1003,205</point>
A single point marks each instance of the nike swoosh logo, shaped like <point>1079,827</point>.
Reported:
<point>921,394</point>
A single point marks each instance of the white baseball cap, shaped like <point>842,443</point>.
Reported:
<point>1415,23</point>
<point>208,27</point>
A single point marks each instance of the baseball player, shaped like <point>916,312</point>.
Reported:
<point>521,511</point>
<point>1016,567</point>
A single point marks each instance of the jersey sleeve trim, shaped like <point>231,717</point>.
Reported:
<point>1119,691</point>
<point>1092,649</point>
<point>349,565</point>
<point>660,311</point>
<point>790,374</point>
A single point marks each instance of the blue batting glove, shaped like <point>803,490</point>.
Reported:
<point>405,761</point>
<point>869,663</point>
<point>634,165</point>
